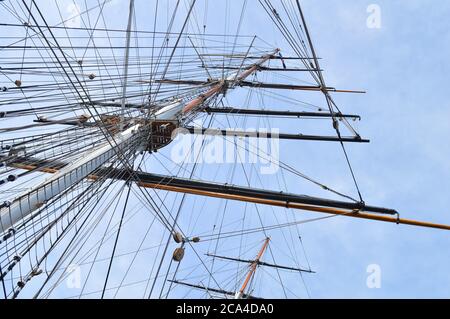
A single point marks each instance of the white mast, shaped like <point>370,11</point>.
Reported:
<point>25,204</point>
<point>127,56</point>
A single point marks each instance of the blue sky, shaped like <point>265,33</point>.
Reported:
<point>405,114</point>
<point>403,66</point>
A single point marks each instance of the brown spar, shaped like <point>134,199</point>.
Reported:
<point>262,68</point>
<point>319,209</point>
<point>278,203</point>
<point>220,85</point>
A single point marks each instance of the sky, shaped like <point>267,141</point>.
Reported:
<point>403,66</point>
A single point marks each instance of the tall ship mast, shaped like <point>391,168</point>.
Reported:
<point>157,152</point>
